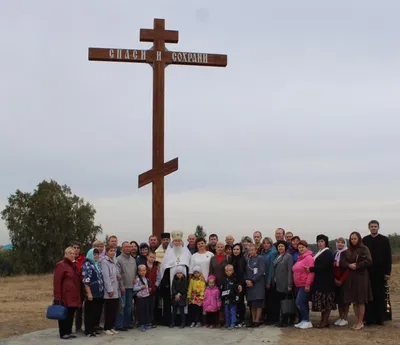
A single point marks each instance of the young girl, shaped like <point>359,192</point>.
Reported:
<point>211,303</point>
<point>195,296</point>
<point>143,307</point>
<point>179,293</point>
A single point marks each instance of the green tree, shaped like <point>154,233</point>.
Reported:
<point>41,224</point>
<point>200,233</point>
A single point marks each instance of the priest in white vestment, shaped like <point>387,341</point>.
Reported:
<point>176,256</point>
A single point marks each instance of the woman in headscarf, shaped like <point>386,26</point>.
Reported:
<point>323,288</point>
<point>238,262</point>
<point>92,279</point>
<point>357,286</point>
<point>144,250</point>
<point>340,276</point>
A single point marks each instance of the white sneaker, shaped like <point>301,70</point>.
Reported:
<point>306,325</point>
<point>337,322</point>
<point>198,324</point>
<point>114,331</point>
<point>108,332</point>
<point>193,324</point>
<point>297,325</point>
<point>343,323</point>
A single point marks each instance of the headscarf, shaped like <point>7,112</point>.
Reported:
<point>90,257</point>
<point>340,251</point>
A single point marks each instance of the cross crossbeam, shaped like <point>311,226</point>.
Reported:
<point>159,57</point>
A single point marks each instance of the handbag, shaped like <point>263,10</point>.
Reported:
<point>288,306</point>
<point>56,312</point>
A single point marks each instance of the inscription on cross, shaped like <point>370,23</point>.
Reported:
<point>158,57</point>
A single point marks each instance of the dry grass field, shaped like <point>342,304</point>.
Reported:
<point>23,302</point>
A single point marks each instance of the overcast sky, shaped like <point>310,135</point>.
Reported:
<point>300,130</point>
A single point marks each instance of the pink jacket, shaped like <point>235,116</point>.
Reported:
<point>300,276</point>
<point>211,302</point>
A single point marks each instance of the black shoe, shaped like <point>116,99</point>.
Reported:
<point>256,324</point>
<point>171,325</point>
<point>182,325</point>
<point>72,336</point>
<point>129,327</point>
<point>65,337</point>
<point>122,329</point>
<point>281,325</point>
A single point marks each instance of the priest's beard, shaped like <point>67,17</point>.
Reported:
<point>177,251</point>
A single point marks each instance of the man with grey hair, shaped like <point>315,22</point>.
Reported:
<point>127,268</point>
<point>229,240</point>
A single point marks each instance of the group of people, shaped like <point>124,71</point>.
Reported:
<point>209,283</point>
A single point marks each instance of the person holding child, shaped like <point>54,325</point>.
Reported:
<point>179,296</point>
<point>142,288</point>
<point>211,303</point>
<point>195,296</point>
<point>230,296</point>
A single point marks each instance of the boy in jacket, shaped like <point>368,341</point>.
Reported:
<point>230,296</point>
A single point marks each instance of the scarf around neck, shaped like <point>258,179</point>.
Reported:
<point>339,253</point>
<point>320,252</point>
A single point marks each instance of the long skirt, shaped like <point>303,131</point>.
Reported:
<point>323,301</point>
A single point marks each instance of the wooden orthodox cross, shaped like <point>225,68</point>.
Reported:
<point>159,58</point>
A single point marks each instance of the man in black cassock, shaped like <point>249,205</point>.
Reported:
<point>378,310</point>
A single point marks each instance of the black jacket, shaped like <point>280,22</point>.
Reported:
<point>229,290</point>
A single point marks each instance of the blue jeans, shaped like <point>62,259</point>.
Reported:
<point>302,303</point>
<point>125,312</point>
<point>230,314</point>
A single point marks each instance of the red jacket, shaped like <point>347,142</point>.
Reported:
<point>67,284</point>
<point>151,275</point>
<point>79,262</point>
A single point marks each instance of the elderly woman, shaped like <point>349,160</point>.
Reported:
<point>340,274</point>
<point>269,253</point>
<point>99,245</point>
<point>201,258</point>
<point>112,290</point>
<point>255,283</point>
<point>357,286</point>
<point>67,291</point>
<point>282,277</point>
<point>92,279</point>
<point>323,289</point>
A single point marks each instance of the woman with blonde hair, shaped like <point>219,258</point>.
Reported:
<point>67,291</point>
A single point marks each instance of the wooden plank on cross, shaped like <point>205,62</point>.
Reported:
<point>158,57</point>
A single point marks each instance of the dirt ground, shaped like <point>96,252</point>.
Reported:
<point>388,334</point>
<point>24,300</point>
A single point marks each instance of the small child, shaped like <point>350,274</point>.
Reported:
<point>212,302</point>
<point>195,296</point>
<point>178,297</point>
<point>230,296</point>
<point>151,275</point>
<point>143,307</point>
